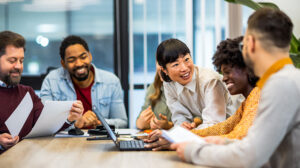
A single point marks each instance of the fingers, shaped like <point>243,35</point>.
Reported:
<point>7,141</point>
<point>163,117</point>
<point>186,125</point>
<point>193,125</point>
<point>174,146</point>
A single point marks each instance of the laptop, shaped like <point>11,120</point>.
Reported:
<point>133,145</point>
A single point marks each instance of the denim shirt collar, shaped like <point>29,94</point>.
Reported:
<point>97,77</point>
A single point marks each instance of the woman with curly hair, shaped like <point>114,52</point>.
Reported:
<point>239,79</point>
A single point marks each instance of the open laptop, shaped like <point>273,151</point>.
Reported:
<point>133,145</point>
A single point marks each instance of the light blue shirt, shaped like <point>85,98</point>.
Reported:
<point>106,93</point>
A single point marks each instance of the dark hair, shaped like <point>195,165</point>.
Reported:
<point>228,53</point>
<point>169,51</point>
<point>71,40</point>
<point>274,26</point>
<point>10,38</point>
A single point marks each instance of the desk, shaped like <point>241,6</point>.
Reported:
<point>77,152</point>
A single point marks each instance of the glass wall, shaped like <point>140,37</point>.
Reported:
<point>45,23</point>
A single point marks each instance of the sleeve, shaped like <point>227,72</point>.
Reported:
<point>263,137</point>
<point>215,104</point>
<point>221,128</point>
<point>179,112</point>
<point>144,118</point>
<point>117,114</point>
<point>46,93</point>
<point>37,106</point>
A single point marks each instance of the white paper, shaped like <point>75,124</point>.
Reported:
<point>17,119</point>
<point>178,134</point>
<point>127,131</point>
<point>52,118</point>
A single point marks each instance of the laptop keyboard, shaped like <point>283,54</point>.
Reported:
<point>132,145</point>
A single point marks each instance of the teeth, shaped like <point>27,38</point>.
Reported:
<point>229,85</point>
<point>81,70</point>
<point>185,75</point>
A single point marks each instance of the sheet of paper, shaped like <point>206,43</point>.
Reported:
<point>52,118</point>
<point>178,134</point>
<point>17,119</point>
<point>127,131</point>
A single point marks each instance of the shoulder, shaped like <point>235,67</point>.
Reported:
<point>56,73</point>
<point>105,76</point>
<point>24,89</point>
<point>284,82</point>
<point>207,75</point>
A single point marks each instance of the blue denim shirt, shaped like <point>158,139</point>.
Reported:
<point>106,93</point>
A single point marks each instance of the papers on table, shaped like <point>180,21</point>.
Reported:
<point>17,119</point>
<point>52,118</point>
<point>178,134</point>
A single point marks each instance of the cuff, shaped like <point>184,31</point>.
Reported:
<point>1,148</point>
<point>70,122</point>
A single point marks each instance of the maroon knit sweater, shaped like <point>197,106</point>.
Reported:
<point>10,98</point>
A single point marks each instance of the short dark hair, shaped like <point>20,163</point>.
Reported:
<point>10,38</point>
<point>228,53</point>
<point>274,26</point>
<point>169,51</point>
<point>71,40</point>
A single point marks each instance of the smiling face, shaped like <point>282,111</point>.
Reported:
<point>11,65</point>
<point>181,70</point>
<point>236,79</point>
<point>77,61</point>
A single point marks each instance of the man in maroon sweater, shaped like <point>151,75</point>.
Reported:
<point>12,47</point>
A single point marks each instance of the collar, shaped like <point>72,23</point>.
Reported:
<point>2,84</point>
<point>190,86</point>
<point>273,69</point>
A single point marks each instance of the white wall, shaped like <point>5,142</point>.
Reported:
<point>291,8</point>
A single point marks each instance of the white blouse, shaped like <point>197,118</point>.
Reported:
<point>206,96</point>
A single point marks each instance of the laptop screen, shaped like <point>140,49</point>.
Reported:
<point>104,123</point>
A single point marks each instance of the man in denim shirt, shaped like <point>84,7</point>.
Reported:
<point>100,91</point>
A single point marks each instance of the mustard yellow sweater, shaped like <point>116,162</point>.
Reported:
<point>236,126</point>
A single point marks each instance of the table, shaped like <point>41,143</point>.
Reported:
<point>52,152</point>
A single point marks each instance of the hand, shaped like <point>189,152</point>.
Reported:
<point>153,136</point>
<point>143,122</point>
<point>163,123</point>
<point>89,119</point>
<point>216,140</point>
<point>197,122</point>
<point>160,144</point>
<point>187,125</point>
<point>7,141</point>
<point>179,147</point>
<point>76,111</point>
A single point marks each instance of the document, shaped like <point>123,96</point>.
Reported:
<point>17,119</point>
<point>179,134</point>
<point>52,118</point>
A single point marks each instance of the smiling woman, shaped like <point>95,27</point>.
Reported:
<point>191,91</point>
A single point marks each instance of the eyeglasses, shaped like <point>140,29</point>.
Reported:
<point>241,45</point>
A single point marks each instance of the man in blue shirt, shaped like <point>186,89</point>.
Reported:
<point>100,91</point>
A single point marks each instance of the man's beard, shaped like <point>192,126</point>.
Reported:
<point>11,81</point>
<point>81,77</point>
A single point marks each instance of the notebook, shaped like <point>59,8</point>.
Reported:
<point>133,145</point>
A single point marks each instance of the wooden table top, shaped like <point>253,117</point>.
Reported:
<point>78,152</point>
